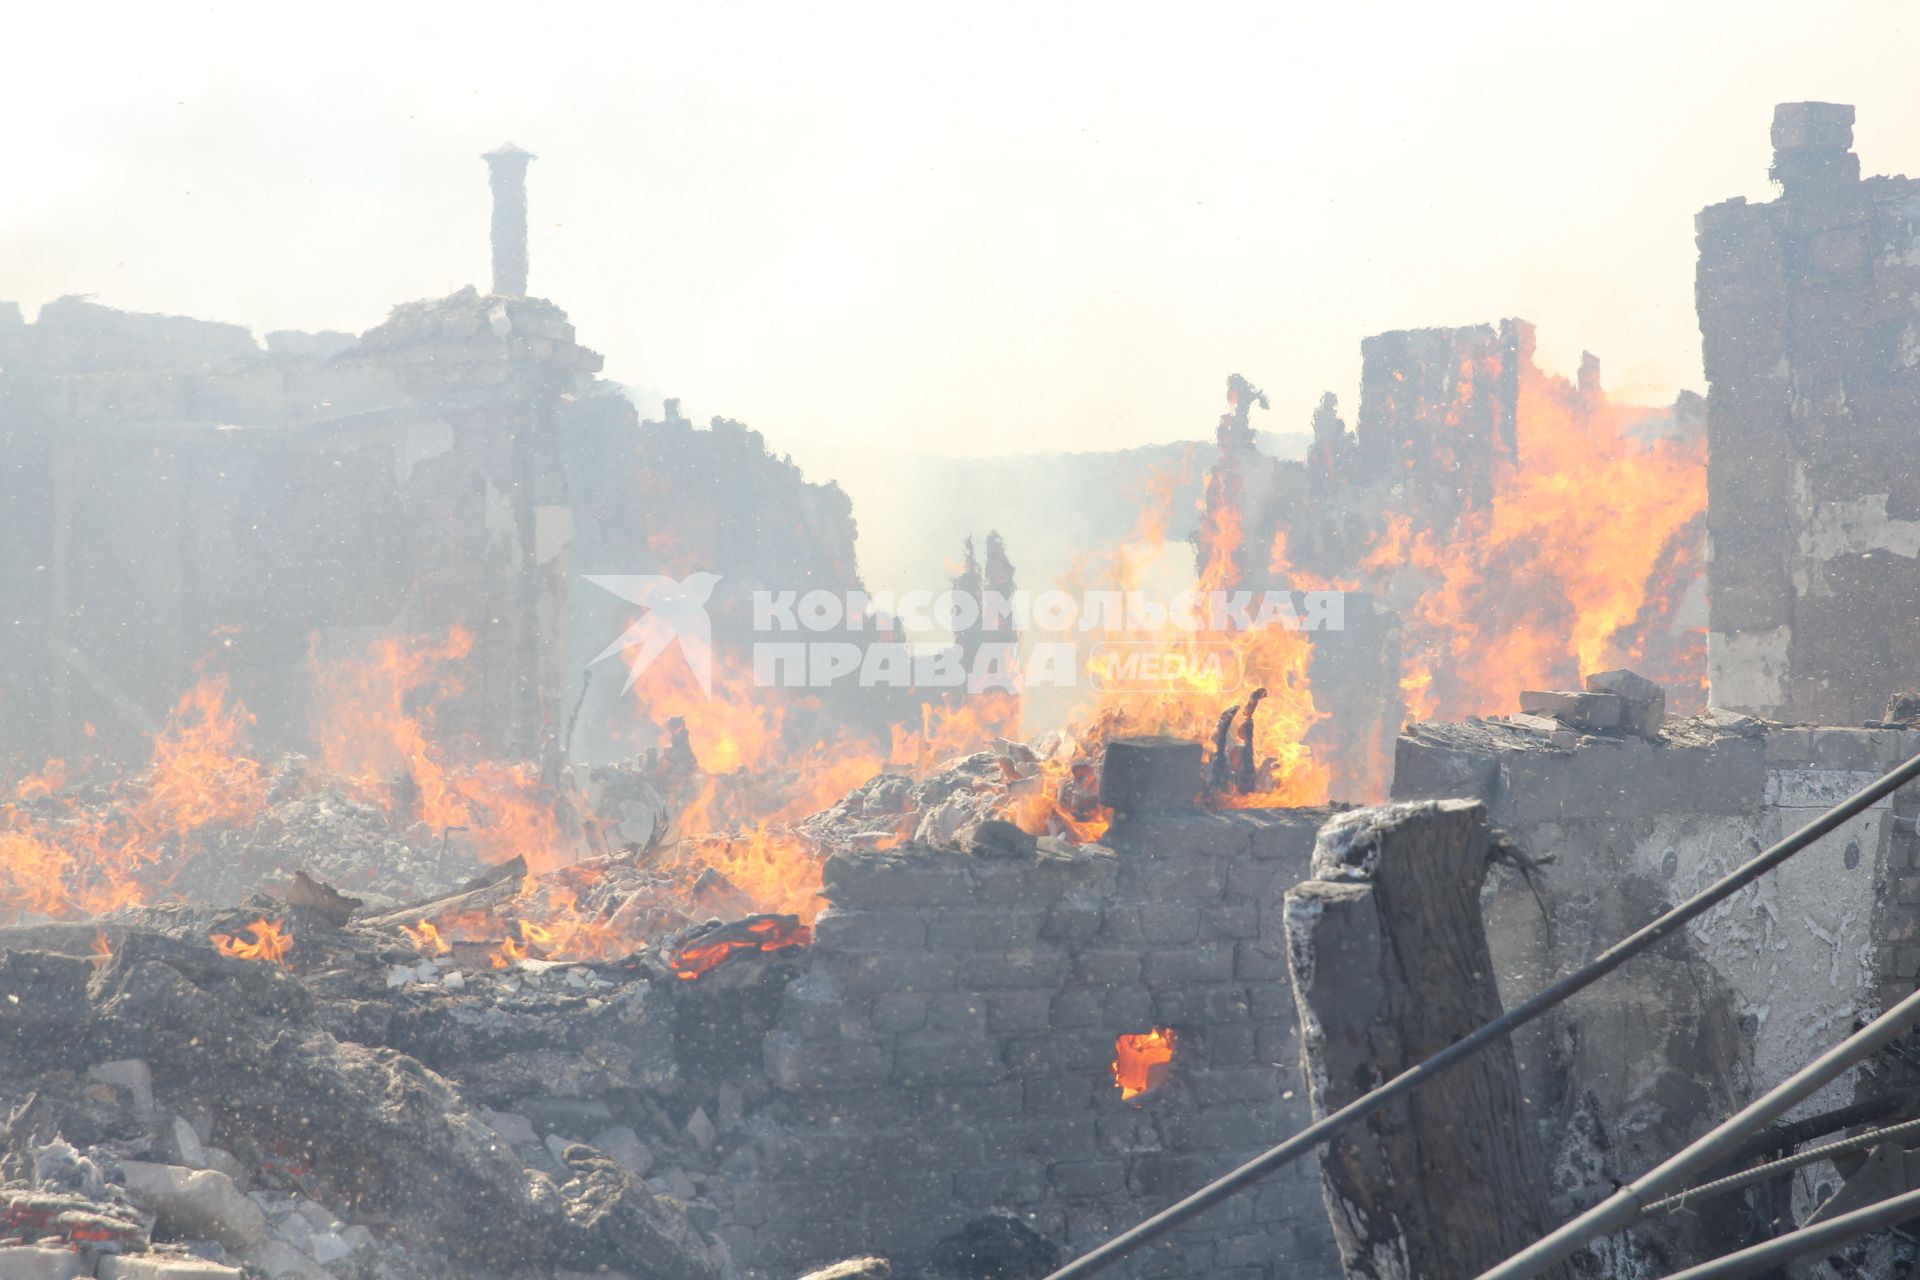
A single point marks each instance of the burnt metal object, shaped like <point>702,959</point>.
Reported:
<point>1245,780</point>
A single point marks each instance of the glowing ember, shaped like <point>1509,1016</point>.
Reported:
<point>267,940</point>
<point>1143,1061</point>
<point>708,950</point>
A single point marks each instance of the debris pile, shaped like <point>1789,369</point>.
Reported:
<point>360,1111</point>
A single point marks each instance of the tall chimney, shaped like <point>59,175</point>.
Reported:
<point>507,172</point>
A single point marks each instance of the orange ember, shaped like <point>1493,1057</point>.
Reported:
<point>1142,1061</point>
<point>267,940</point>
<point>759,933</point>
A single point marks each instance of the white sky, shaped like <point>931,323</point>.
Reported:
<point>966,228</point>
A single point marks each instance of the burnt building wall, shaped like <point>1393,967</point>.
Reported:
<point>1623,827</point>
<point>182,501</point>
<point>1812,347</point>
<point>949,1053</point>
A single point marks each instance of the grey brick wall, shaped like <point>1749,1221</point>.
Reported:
<point>949,1053</point>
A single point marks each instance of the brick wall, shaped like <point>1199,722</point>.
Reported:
<point>949,1053</point>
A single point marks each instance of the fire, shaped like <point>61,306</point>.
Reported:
<point>427,940</point>
<point>1143,1061</point>
<point>375,722</point>
<point>1595,527</point>
<point>1208,670</point>
<point>102,949</point>
<point>270,942</point>
<point>61,857</point>
<point>766,933</point>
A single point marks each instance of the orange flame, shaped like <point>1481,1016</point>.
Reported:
<point>60,857</point>
<point>269,942</point>
<point>427,940</point>
<point>1590,520</point>
<point>1143,1061</point>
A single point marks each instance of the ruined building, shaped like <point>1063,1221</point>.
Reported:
<point>1812,351</point>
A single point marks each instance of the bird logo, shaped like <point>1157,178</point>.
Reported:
<point>676,609</point>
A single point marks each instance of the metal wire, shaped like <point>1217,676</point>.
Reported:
<point>1821,1235</point>
<point>1332,1126</point>
<point>1760,1173</point>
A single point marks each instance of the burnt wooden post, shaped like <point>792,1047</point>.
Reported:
<point>1390,965</point>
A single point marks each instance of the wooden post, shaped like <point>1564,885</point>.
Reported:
<point>1390,965</point>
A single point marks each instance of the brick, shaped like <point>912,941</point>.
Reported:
<point>1015,969</point>
<point>840,930</point>
<point>1278,1043</point>
<point>1230,920</point>
<point>1163,923</point>
<point>793,1063</point>
<point>948,1060</point>
<point>1791,746</point>
<point>1218,1130</point>
<point>1016,1011</point>
<point>1205,962</point>
<point>1129,1008</point>
<point>1245,1249</point>
<point>1077,1008</point>
<point>1257,881</point>
<point>1076,920</point>
<point>1001,1185</point>
<point>1092,1224</point>
<point>1086,1179</point>
<point>1192,1007</point>
<point>1107,968</point>
<point>1250,1084</point>
<point>1222,1046</point>
<point>1173,1259</point>
<point>1128,1130</point>
<point>996,930</point>
<point>892,880</point>
<point>1045,1096</point>
<point>897,1011</point>
<point>1273,1001</point>
<point>1120,925</point>
<point>1067,1137</point>
<point>1846,748</point>
<point>1257,962</point>
<point>1060,1053</point>
<point>867,972</point>
<point>1178,879</point>
<point>1000,884</point>
<point>962,1013</point>
<point>966,1105</point>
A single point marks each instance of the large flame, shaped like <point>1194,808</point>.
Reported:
<point>62,855</point>
<point>1571,570</point>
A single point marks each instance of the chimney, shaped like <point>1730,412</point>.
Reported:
<point>507,173</point>
<point>1813,145</point>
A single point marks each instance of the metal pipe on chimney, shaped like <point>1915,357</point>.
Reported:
<point>507,174</point>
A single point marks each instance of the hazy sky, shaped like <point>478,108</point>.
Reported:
<point>967,228</point>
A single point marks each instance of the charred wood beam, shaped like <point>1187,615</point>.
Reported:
<point>1390,965</point>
